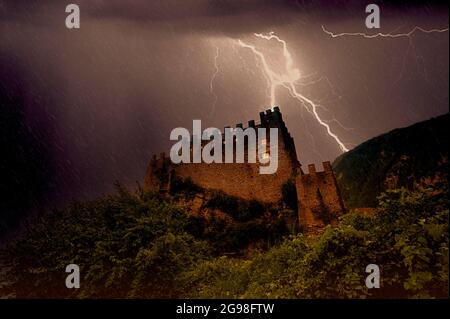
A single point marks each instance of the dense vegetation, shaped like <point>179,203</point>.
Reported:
<point>144,245</point>
<point>400,158</point>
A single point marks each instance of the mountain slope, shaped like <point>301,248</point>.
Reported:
<point>404,157</point>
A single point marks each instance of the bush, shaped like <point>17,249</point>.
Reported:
<point>125,245</point>
<point>408,239</point>
<point>186,187</point>
<point>240,209</point>
<point>141,246</point>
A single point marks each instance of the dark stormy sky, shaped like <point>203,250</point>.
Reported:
<point>105,97</point>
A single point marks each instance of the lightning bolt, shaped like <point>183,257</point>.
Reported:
<point>407,35</point>
<point>288,80</point>
<point>384,35</point>
<point>213,78</point>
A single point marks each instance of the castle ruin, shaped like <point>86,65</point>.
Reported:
<point>318,200</point>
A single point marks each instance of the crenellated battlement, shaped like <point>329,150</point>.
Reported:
<point>312,169</point>
<point>272,117</point>
<point>268,119</point>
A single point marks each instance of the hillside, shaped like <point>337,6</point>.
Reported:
<point>405,157</point>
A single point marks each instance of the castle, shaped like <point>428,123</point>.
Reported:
<point>318,200</point>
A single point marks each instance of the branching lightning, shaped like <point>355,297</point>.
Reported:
<point>291,78</point>
<point>384,35</point>
<point>392,35</point>
<point>288,80</point>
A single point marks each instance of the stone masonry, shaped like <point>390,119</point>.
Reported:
<point>318,198</point>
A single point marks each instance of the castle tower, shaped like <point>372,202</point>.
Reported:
<point>319,200</point>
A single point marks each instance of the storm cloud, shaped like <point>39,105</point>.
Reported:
<point>102,99</point>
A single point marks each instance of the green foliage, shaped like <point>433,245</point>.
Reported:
<point>240,209</point>
<point>141,246</point>
<point>253,222</point>
<point>125,245</point>
<point>235,237</point>
<point>408,239</point>
<point>184,186</point>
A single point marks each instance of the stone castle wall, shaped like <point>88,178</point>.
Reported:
<point>241,179</point>
<point>318,197</point>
